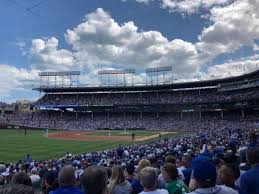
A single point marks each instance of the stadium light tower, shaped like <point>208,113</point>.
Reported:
<point>113,76</point>
<point>159,74</point>
<point>57,77</point>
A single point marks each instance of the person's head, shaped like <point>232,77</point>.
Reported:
<point>66,176</point>
<point>154,162</point>
<point>230,158</point>
<point>253,156</point>
<point>148,178</point>
<point>178,162</point>
<point>204,172</point>
<point>169,172</point>
<point>17,189</point>
<point>186,160</point>
<point>116,178</point>
<point>228,174</point>
<point>94,180</point>
<point>170,159</point>
<point>130,169</point>
<point>2,180</point>
<point>253,137</point>
<point>117,174</point>
<point>51,178</point>
<point>142,164</point>
<point>21,178</point>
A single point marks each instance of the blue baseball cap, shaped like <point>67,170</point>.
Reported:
<point>204,170</point>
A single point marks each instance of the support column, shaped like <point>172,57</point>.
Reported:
<point>141,116</point>
<point>92,114</point>
<point>243,113</point>
<point>181,114</point>
<point>200,114</point>
<point>108,114</point>
<point>157,115</point>
<point>76,114</point>
<point>221,114</point>
<point>61,113</point>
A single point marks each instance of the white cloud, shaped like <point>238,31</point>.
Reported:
<point>15,79</point>
<point>140,1</point>
<point>101,40</point>
<point>46,55</point>
<point>233,26</point>
<point>186,6</point>
<point>232,68</point>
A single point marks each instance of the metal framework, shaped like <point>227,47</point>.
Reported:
<point>57,79</point>
<point>159,75</point>
<point>117,77</point>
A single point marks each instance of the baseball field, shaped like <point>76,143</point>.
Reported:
<point>14,144</point>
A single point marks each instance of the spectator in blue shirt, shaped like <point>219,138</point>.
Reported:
<point>249,182</point>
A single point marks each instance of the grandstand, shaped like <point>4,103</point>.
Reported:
<point>167,106</point>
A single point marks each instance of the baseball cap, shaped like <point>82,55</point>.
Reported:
<point>130,168</point>
<point>204,170</point>
<point>50,176</point>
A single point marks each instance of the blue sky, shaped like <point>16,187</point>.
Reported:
<point>200,40</point>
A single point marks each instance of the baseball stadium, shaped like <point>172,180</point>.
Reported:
<point>129,97</point>
<point>79,119</point>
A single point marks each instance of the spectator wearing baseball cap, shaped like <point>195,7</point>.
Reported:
<point>205,175</point>
<point>130,172</point>
<point>50,182</point>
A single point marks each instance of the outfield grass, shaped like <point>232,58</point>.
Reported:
<point>14,145</point>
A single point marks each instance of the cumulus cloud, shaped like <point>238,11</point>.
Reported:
<point>101,40</point>
<point>192,6</point>
<point>232,68</point>
<point>186,6</point>
<point>233,26</point>
<point>15,79</point>
<point>46,55</point>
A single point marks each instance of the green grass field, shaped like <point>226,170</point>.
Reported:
<point>14,145</point>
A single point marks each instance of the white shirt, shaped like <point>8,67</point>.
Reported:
<point>181,168</point>
<point>218,189</point>
<point>35,178</point>
<point>158,191</point>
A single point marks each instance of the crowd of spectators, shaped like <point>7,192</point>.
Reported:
<point>164,121</point>
<point>220,156</point>
<point>209,161</point>
<point>161,97</point>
